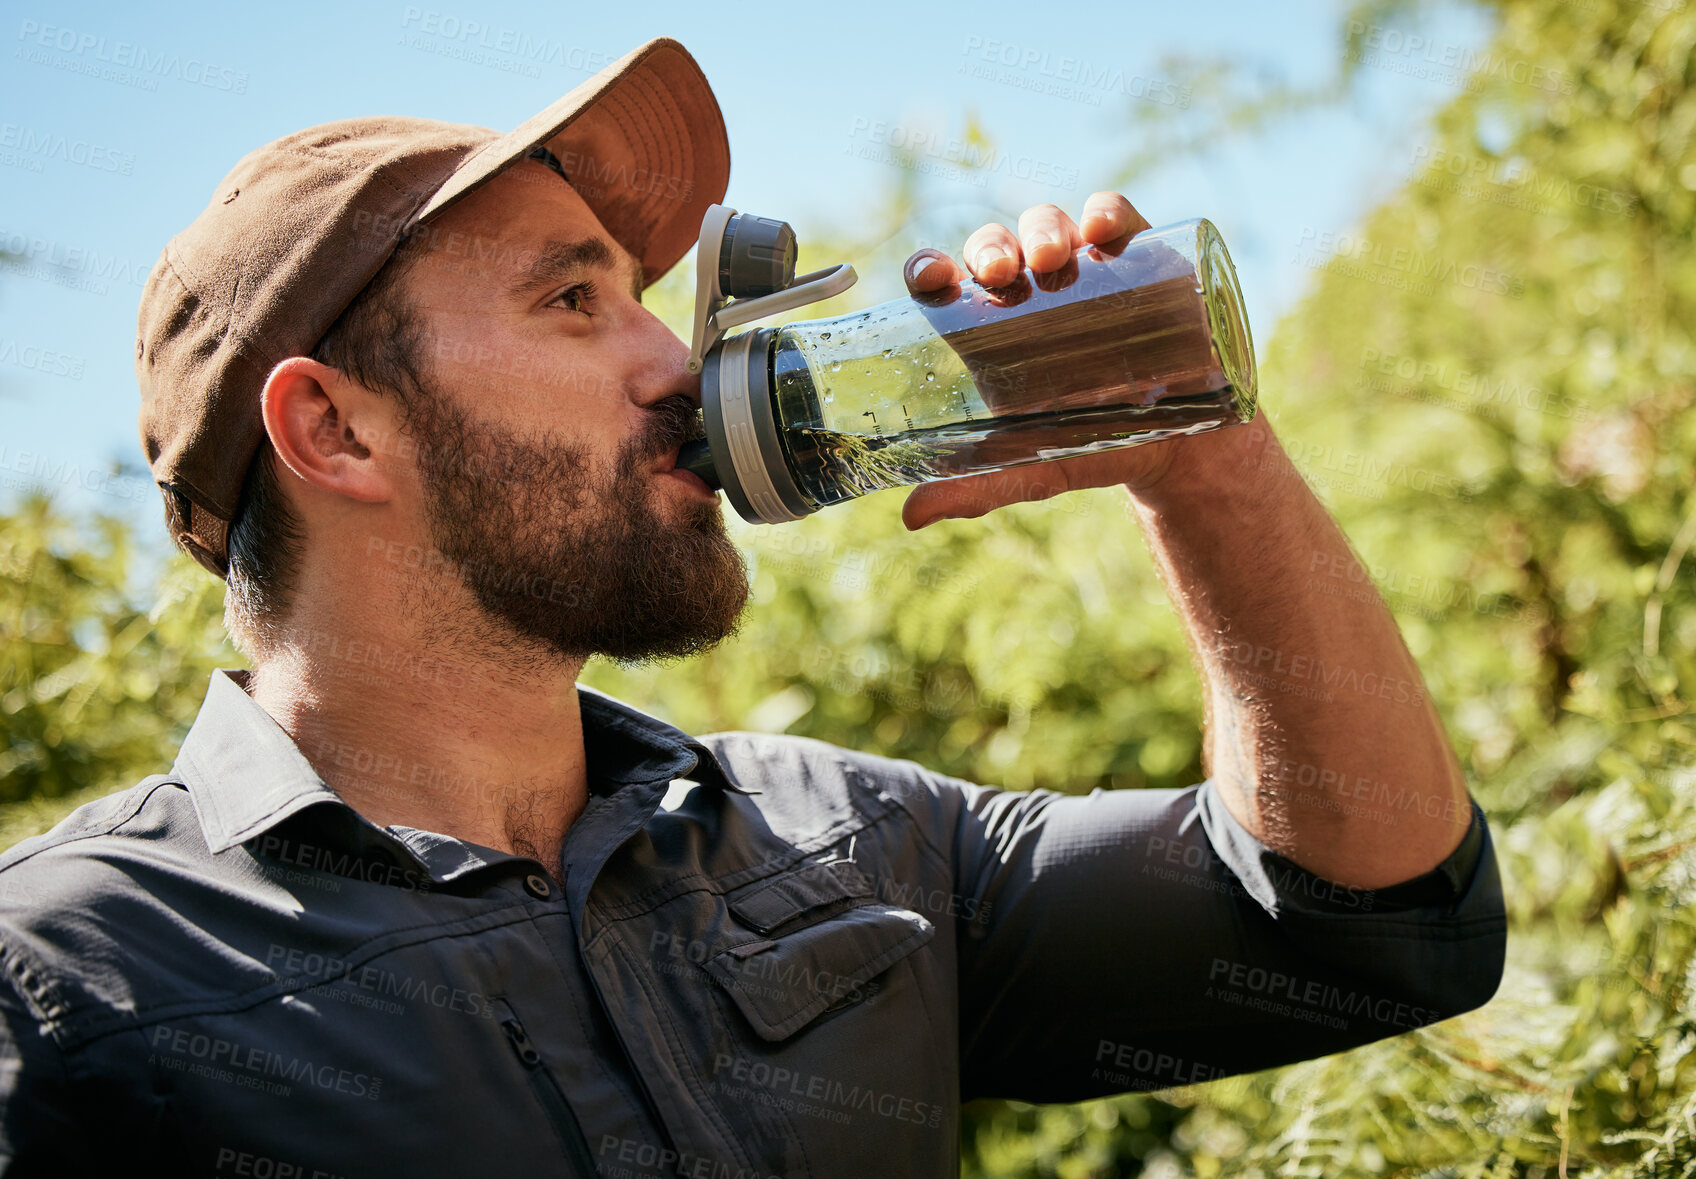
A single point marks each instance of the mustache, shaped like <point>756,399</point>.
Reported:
<point>675,421</point>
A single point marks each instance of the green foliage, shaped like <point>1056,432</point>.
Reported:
<point>96,689</point>
<point>1490,384</point>
<point>1493,394</point>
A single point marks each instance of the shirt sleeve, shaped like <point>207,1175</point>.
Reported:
<point>1143,939</point>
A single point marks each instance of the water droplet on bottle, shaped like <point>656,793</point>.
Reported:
<point>929,377</point>
<point>888,352</point>
<point>824,335</point>
<point>836,366</point>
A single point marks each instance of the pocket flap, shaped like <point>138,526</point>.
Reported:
<point>783,984</point>
<point>767,904</point>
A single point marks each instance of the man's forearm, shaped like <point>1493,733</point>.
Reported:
<point>1320,733</point>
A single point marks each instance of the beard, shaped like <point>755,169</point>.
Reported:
<point>566,559</point>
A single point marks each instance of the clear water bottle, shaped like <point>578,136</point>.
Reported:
<point>1131,342</point>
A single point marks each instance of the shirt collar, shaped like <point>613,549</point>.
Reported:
<point>245,774</point>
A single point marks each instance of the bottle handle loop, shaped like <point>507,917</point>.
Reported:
<point>716,313</point>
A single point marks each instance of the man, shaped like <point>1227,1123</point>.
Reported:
<point>410,902</point>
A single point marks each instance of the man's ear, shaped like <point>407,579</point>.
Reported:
<point>328,429</point>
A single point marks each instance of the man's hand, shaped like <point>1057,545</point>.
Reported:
<point>994,256</point>
<point>1320,731</point>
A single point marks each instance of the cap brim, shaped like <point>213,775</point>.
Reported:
<point>643,142</point>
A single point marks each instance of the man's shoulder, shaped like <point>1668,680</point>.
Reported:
<point>97,828</point>
<point>124,910</point>
<point>80,904</point>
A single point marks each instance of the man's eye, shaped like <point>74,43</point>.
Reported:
<point>579,297</point>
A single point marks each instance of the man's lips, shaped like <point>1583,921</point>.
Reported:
<point>695,482</point>
<point>667,465</point>
<point>668,460</point>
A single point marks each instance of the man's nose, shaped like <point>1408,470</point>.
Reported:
<point>664,372</point>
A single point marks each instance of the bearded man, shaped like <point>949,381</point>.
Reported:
<point>413,902</point>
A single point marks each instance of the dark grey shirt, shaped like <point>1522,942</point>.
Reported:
<point>770,957</point>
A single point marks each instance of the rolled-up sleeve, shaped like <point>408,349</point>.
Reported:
<point>1142,939</point>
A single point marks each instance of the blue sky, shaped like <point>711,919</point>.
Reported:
<point>132,155</point>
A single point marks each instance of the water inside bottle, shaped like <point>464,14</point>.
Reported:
<point>1119,347</point>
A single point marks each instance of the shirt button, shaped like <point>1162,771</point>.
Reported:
<point>538,886</point>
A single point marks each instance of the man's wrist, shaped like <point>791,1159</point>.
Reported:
<point>1208,464</point>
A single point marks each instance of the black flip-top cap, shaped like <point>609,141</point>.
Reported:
<point>756,256</point>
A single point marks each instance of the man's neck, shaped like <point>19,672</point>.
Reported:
<point>418,734</point>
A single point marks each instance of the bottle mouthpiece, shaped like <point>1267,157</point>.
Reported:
<point>697,458</point>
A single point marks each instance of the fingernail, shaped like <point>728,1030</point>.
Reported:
<point>922,265</point>
<point>990,255</point>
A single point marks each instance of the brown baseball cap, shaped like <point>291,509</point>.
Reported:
<point>299,227</point>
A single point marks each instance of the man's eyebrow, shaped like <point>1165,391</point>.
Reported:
<point>560,259</point>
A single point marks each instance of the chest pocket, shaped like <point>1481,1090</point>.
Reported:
<point>825,939</point>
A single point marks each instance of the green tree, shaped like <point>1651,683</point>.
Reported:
<point>1490,384</point>
<point>98,684</point>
